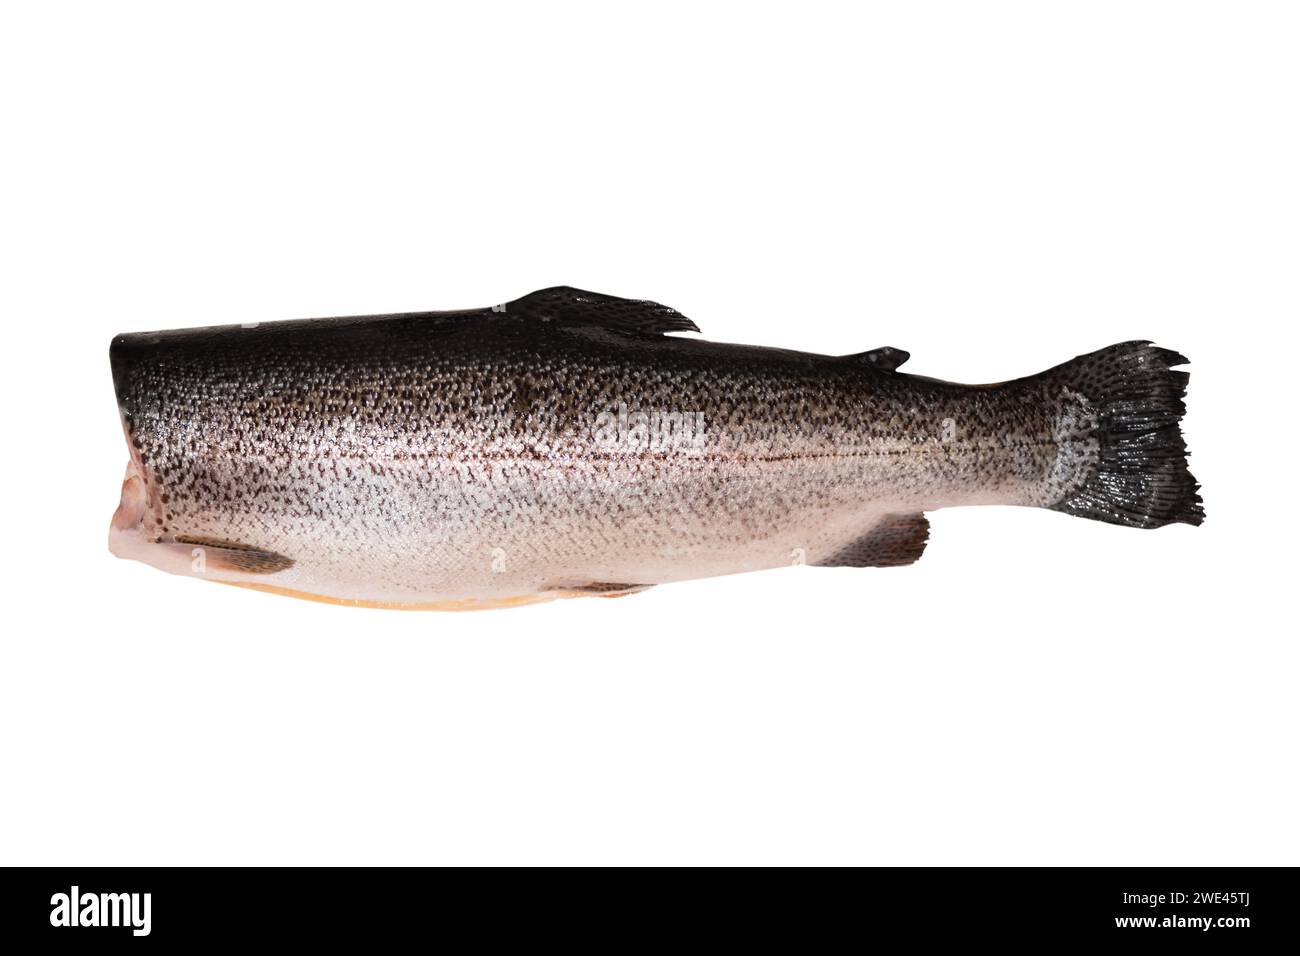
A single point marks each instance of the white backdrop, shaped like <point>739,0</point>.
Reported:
<point>995,187</point>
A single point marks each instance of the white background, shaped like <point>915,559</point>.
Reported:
<point>995,187</point>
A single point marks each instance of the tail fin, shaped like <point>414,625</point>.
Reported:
<point>1139,476</point>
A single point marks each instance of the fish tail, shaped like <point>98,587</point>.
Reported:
<point>1122,454</point>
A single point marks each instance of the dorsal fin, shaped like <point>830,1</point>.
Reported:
<point>886,358</point>
<point>568,306</point>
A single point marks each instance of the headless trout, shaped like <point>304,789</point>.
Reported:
<point>565,444</point>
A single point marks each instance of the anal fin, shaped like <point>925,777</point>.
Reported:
<point>895,540</point>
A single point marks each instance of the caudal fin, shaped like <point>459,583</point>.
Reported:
<point>1138,460</point>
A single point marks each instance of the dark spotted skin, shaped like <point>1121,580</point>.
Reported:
<point>489,453</point>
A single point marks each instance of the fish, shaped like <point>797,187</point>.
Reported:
<point>570,443</point>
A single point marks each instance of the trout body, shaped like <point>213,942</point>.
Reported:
<point>565,444</point>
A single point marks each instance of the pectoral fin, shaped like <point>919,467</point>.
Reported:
<point>217,555</point>
<point>895,540</point>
